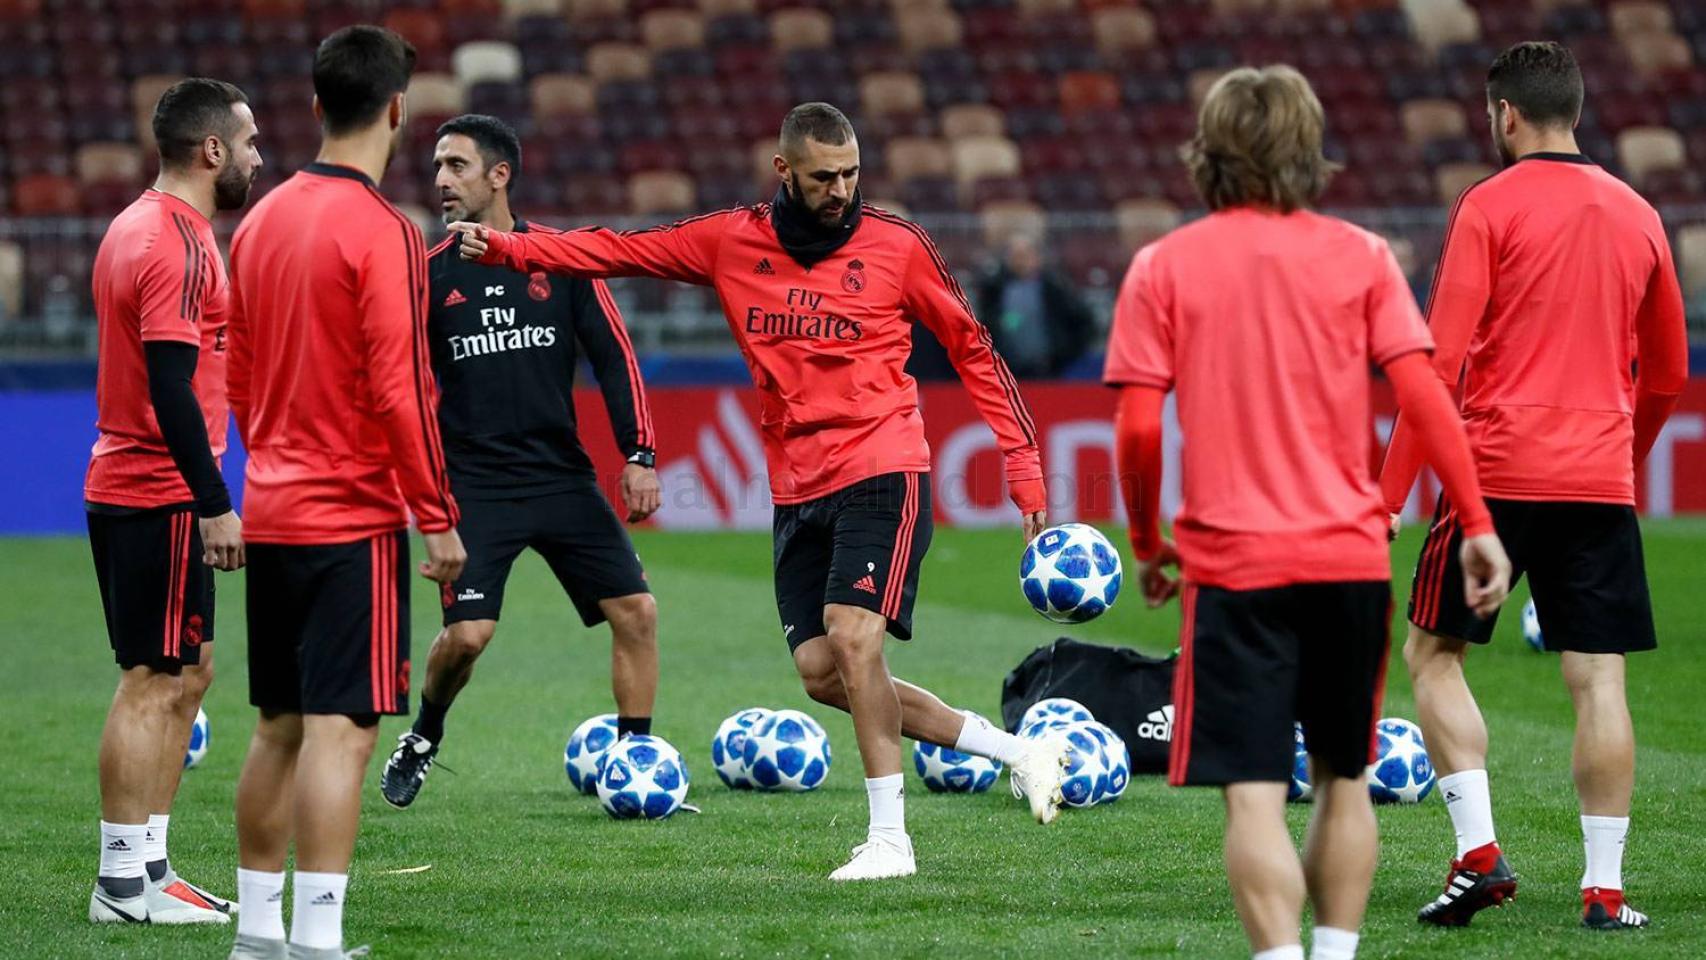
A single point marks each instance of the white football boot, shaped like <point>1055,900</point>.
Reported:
<point>878,859</point>
<point>1038,775</point>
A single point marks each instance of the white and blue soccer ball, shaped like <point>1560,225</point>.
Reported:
<point>728,747</point>
<point>1531,628</point>
<point>1070,573</point>
<point>1401,772</point>
<point>198,740</point>
<point>1089,777</point>
<point>1055,708</point>
<point>1299,790</point>
<point>787,751</point>
<point>586,748</point>
<point>642,777</point>
<point>1119,759</point>
<point>949,771</point>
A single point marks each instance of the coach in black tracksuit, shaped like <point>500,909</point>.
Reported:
<point>504,347</point>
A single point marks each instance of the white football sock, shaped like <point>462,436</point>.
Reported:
<point>317,910</point>
<point>260,900</point>
<point>1603,839</point>
<point>887,796</point>
<point>154,841</point>
<point>1334,943</point>
<point>1291,951</point>
<point>1470,804</point>
<point>121,857</point>
<point>981,738</point>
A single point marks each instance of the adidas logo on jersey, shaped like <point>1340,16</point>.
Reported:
<point>764,269</point>
<point>867,584</point>
<point>1158,725</point>
<point>455,298</point>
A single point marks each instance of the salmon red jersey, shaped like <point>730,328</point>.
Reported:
<point>827,345</point>
<point>157,276</point>
<point>1265,325</point>
<point>330,378</point>
<point>1553,273</point>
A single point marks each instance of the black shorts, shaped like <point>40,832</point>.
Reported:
<point>329,626</point>
<point>1254,661</point>
<point>155,591</point>
<point>1585,571</point>
<point>576,532</point>
<point>861,545</point>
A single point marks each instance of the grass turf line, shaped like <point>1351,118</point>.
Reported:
<point>522,867</point>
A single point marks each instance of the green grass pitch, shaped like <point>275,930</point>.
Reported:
<point>519,866</point>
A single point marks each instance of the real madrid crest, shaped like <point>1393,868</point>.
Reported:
<point>853,281</point>
<point>539,286</point>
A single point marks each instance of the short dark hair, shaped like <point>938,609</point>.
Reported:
<point>356,73</point>
<point>1539,78</point>
<point>189,112</point>
<point>813,121</point>
<point>495,139</point>
<point>1258,141</point>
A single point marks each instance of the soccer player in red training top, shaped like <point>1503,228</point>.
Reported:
<point>1556,280</point>
<point>159,513</point>
<point>333,392</point>
<point>1264,317</point>
<point>819,291</point>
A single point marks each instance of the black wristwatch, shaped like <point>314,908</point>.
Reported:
<point>645,458</point>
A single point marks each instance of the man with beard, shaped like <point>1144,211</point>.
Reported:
<point>333,394</point>
<point>820,292</point>
<point>159,514</point>
<point>1556,282</point>
<point>504,349</point>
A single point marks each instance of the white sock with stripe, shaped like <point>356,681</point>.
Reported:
<point>981,738</point>
<point>122,872</point>
<point>260,898</point>
<point>1470,804</point>
<point>1603,839</point>
<point>317,911</point>
<point>1334,943</point>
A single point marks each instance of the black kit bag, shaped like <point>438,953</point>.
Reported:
<point>1130,692</point>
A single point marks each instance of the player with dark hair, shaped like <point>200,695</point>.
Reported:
<point>819,290</point>
<point>332,388</point>
<point>504,348</point>
<point>159,513</point>
<point>1281,538</point>
<point>1556,282</point>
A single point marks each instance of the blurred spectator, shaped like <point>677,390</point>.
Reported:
<point>1039,322</point>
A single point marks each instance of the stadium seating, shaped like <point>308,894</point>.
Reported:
<point>1002,109</point>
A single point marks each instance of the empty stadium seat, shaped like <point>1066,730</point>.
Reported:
<point>660,192</point>
<point>909,158</point>
<point>1642,150</point>
<point>971,120</point>
<point>11,280</point>
<point>485,61</point>
<point>672,30</point>
<point>1089,92</point>
<point>435,95</point>
<point>563,93</point>
<point>1640,16</point>
<point>1144,221</point>
<point>45,194</point>
<point>108,163</point>
<point>1691,259</point>
<point>727,8</point>
<point>1428,120</point>
<point>595,9</point>
<point>1436,23</point>
<point>515,9</point>
<point>976,158</point>
<point>1452,179</point>
<point>891,92</point>
<point>801,29</point>
<point>1121,30</point>
<point>609,62</point>
<point>1653,53</point>
<point>144,93</point>
<point>928,29</point>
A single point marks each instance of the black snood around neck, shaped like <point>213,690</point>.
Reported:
<point>803,236</point>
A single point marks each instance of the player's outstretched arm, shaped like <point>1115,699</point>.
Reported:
<point>1137,452</point>
<point>393,311</point>
<point>935,298</point>
<point>1439,433</point>
<point>684,251</point>
<point>1661,350</point>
